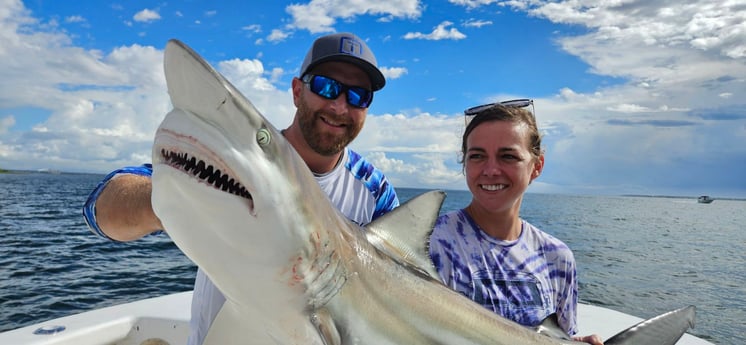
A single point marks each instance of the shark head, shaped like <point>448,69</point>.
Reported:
<point>213,154</point>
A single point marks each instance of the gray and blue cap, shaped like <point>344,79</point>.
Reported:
<point>345,47</point>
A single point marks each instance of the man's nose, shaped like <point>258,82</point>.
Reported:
<point>339,105</point>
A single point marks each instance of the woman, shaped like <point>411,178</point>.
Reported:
<point>485,250</point>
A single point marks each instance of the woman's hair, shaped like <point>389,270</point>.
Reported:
<point>510,114</point>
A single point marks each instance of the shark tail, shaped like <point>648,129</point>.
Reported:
<point>664,329</point>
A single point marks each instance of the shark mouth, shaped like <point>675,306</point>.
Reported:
<point>205,172</point>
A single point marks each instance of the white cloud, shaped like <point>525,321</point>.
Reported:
<point>391,165</point>
<point>321,15</point>
<point>677,100</point>
<point>243,70</point>
<point>101,107</point>
<point>474,23</point>
<point>415,150</point>
<point>717,26</point>
<point>418,170</point>
<point>440,32</point>
<point>472,3</point>
<point>250,78</point>
<point>278,35</point>
<point>393,72</point>
<point>255,28</point>
<point>146,16</point>
<point>628,108</point>
<point>6,123</point>
<point>276,74</point>
<point>75,19</point>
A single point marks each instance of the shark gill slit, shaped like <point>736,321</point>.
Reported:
<point>205,172</point>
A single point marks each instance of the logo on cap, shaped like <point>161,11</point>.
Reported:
<point>350,46</point>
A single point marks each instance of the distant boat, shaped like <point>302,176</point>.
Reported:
<point>704,199</point>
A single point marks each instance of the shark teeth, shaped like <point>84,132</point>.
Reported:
<point>205,172</point>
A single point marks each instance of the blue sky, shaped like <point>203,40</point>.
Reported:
<point>632,97</point>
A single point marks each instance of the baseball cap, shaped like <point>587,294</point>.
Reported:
<point>344,47</point>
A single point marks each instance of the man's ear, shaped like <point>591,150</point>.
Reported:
<point>297,86</point>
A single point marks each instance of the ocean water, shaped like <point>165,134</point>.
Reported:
<point>638,255</point>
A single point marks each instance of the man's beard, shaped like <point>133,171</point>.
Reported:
<point>325,144</point>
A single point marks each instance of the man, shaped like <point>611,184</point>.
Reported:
<point>332,93</point>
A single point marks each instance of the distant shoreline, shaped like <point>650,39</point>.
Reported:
<point>45,171</point>
<point>58,172</point>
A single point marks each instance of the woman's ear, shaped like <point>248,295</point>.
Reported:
<point>538,167</point>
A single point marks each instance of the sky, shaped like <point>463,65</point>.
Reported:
<point>632,97</point>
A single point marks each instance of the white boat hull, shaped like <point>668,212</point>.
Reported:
<point>165,320</point>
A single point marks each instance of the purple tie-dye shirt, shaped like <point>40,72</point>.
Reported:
<point>525,280</point>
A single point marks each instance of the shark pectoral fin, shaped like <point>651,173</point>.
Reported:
<point>233,328</point>
<point>324,323</point>
<point>404,233</point>
<point>223,329</point>
<point>664,329</point>
<point>551,328</point>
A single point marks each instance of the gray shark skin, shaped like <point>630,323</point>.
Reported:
<point>237,199</point>
<point>665,331</point>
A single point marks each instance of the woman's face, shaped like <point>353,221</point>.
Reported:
<point>499,165</point>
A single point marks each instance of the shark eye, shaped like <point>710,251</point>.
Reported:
<point>263,137</point>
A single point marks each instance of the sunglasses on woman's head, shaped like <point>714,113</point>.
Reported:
<point>513,103</point>
<point>329,88</point>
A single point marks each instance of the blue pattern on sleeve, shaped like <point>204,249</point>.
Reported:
<point>89,208</point>
<point>375,182</point>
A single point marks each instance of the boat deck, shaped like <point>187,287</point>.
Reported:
<point>165,320</point>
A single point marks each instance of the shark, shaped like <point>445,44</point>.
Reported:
<point>237,199</point>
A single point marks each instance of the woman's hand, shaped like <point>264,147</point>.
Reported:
<point>590,339</point>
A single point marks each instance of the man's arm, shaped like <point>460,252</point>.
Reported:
<point>123,209</point>
<point>119,207</point>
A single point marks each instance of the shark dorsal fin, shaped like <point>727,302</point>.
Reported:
<point>404,233</point>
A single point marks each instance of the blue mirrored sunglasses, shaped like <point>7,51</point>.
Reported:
<point>329,88</point>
